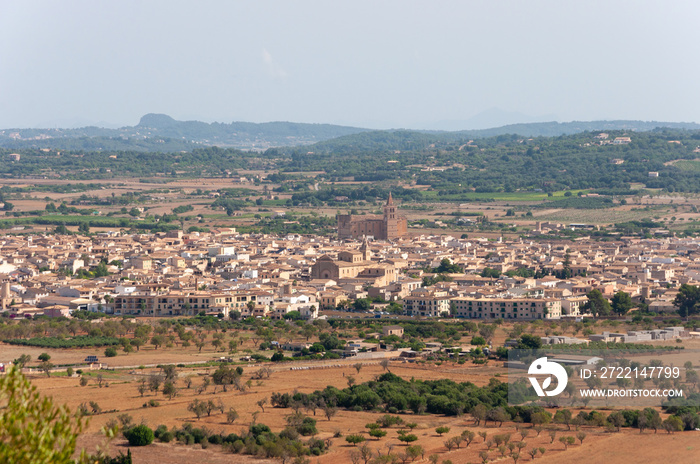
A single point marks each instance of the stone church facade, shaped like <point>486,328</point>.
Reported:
<point>387,227</point>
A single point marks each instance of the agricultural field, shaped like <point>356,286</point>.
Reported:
<point>122,392</point>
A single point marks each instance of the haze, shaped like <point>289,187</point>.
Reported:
<point>439,65</point>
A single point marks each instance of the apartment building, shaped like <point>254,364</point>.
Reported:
<point>507,308</point>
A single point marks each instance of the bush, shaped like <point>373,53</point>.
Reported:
<point>111,352</point>
<point>159,431</point>
<point>141,435</point>
<point>215,439</point>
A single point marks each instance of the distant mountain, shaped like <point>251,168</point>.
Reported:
<point>553,129</point>
<point>160,132</point>
<point>490,118</point>
<point>412,140</point>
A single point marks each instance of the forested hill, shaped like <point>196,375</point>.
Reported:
<point>660,159</point>
<point>411,140</point>
<point>242,134</point>
<point>159,132</point>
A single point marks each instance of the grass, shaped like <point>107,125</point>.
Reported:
<point>687,165</point>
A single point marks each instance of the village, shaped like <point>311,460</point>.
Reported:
<point>230,275</point>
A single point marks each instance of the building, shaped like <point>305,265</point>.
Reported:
<point>426,302</point>
<point>508,308</point>
<point>354,265</point>
<point>622,140</point>
<point>387,227</point>
<point>388,330</point>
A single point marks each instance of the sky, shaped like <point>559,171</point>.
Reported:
<point>379,64</point>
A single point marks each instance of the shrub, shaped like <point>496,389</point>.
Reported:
<point>141,435</point>
<point>111,352</point>
<point>159,431</point>
<point>215,439</point>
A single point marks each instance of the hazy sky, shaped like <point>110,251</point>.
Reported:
<point>414,64</point>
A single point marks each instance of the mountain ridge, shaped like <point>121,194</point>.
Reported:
<point>155,132</point>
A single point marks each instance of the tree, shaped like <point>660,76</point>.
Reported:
<point>169,389</point>
<point>330,411</point>
<point>687,300</point>
<point>157,340</point>
<point>261,403</point>
<point>44,357</point>
<point>622,302</point>
<point>22,360</point>
<point>468,437</point>
<point>224,376</point>
<point>597,304</point>
<point>231,415</point>
<point>362,305</point>
<point>137,342</point>
<point>441,430</point>
<point>354,439</point>
<point>408,438</point>
<point>497,415</point>
<point>197,407</point>
<point>358,367</point>
<point>154,382</point>
<point>529,342</point>
<point>563,416</point>
<point>617,419</point>
<point>141,435</point>
<point>110,352</point>
<point>142,388</point>
<point>385,364</point>
<point>46,366</point>
<point>377,433</point>
<point>479,413</point>
<point>32,428</point>
<point>673,424</point>
<point>567,441</point>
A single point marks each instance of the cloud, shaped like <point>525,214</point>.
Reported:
<point>273,68</point>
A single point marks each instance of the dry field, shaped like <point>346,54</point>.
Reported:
<point>122,396</point>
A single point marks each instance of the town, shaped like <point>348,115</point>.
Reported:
<point>229,275</point>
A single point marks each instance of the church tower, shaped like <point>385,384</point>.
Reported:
<point>391,222</point>
<point>364,249</point>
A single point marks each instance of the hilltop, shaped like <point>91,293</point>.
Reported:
<point>162,133</point>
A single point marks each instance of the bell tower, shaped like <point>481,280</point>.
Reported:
<point>391,222</point>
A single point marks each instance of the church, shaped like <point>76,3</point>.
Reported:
<point>355,267</point>
<point>387,227</point>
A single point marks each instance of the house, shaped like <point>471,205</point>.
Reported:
<point>389,330</point>
<point>621,140</point>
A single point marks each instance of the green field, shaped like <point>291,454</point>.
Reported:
<point>597,216</point>
<point>497,196</point>
<point>687,165</point>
